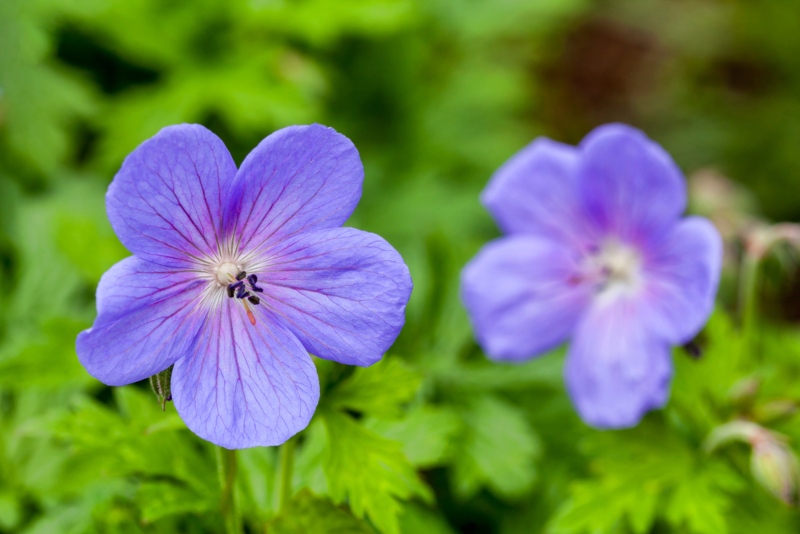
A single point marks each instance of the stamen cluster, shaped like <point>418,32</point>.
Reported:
<point>239,289</point>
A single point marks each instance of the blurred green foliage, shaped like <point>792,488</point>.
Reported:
<point>435,94</point>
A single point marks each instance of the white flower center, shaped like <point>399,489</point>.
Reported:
<point>225,273</point>
<point>616,268</point>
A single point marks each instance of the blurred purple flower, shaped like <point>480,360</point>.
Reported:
<point>598,253</point>
<point>238,274</point>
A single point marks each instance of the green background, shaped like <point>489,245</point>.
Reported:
<point>435,94</point>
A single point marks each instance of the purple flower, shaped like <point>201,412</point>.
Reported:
<point>238,274</point>
<point>596,253</point>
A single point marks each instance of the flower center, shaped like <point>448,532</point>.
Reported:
<point>226,273</point>
<point>238,285</point>
<point>613,267</point>
<point>620,264</point>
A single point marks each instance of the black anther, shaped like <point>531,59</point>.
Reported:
<point>236,286</point>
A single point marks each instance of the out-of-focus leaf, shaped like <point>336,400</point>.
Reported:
<point>427,433</point>
<point>69,519</point>
<point>88,241</point>
<point>498,450</point>
<point>701,501</point>
<point>309,463</point>
<point>161,499</point>
<point>320,22</point>
<point>10,512</point>
<point>256,481</point>
<point>544,372</point>
<point>306,512</point>
<point>38,99</point>
<point>47,361</point>
<point>250,101</point>
<point>418,519</point>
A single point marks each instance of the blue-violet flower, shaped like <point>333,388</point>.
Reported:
<point>596,253</point>
<point>238,274</point>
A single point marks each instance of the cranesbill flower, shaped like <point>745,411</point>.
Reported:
<point>238,274</point>
<point>596,253</point>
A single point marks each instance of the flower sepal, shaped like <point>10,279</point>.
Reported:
<point>160,382</point>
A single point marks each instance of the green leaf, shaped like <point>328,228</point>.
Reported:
<point>88,242</point>
<point>427,433</point>
<point>711,376</point>
<point>418,519</point>
<point>498,450</point>
<point>38,100</point>
<point>701,501</point>
<point>544,372</point>
<point>10,511</point>
<point>309,462</point>
<point>644,474</point>
<point>46,360</point>
<point>161,499</point>
<point>370,472</point>
<point>66,519</point>
<point>255,482</point>
<point>306,513</point>
<point>379,390</point>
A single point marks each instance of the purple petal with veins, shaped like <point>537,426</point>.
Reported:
<point>342,292</point>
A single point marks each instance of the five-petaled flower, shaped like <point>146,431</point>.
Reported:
<point>238,274</point>
<point>596,253</point>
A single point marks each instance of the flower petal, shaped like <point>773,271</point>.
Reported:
<point>629,185</point>
<point>535,191</point>
<point>616,371</point>
<point>147,319</point>
<point>245,385</point>
<point>522,296</point>
<point>682,274</point>
<point>342,292</point>
<point>298,179</point>
<point>166,201</point>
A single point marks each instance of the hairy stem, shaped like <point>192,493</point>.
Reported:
<point>226,469</point>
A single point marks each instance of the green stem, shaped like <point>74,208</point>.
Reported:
<point>748,300</point>
<point>283,480</point>
<point>226,469</point>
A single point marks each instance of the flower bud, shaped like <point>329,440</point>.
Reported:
<point>738,430</point>
<point>760,239</point>
<point>772,462</point>
<point>776,468</point>
<point>161,386</point>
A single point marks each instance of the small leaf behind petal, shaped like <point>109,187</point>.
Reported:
<point>161,386</point>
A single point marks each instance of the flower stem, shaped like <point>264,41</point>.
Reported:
<point>226,469</point>
<point>283,476</point>
<point>748,299</point>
